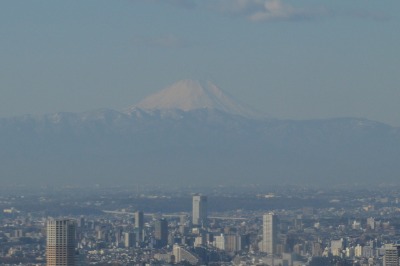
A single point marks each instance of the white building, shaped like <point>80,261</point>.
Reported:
<point>358,250</point>
<point>270,233</point>
<point>337,246</point>
<point>198,241</point>
<point>181,254</point>
<point>371,223</point>
<point>391,257</point>
<point>228,242</point>
<point>199,210</point>
<point>219,242</point>
<point>350,252</point>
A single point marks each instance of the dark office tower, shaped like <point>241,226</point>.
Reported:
<point>161,232</point>
<point>129,239</point>
<point>139,224</point>
<point>60,249</point>
<point>81,222</point>
<point>199,210</point>
<point>139,220</point>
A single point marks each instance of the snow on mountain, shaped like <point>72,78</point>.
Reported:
<point>189,95</point>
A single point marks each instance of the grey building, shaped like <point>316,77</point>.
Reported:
<point>161,232</point>
<point>199,210</point>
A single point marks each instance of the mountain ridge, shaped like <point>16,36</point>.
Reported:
<point>194,147</point>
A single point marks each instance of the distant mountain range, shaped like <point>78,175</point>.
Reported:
<point>193,133</point>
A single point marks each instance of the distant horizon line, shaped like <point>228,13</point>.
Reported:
<point>38,115</point>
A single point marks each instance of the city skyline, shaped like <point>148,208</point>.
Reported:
<point>334,226</point>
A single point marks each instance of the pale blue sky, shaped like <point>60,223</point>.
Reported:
<point>289,59</point>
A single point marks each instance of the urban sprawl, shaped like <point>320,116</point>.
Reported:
<point>210,226</point>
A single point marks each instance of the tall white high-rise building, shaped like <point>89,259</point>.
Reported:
<point>270,233</point>
<point>60,246</point>
<point>199,210</point>
<point>391,257</point>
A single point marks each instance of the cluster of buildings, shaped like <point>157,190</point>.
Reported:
<point>285,237</point>
<point>204,245</point>
<point>62,248</point>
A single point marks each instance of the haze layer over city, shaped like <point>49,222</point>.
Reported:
<point>200,132</point>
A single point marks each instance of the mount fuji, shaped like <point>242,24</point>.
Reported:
<point>189,95</point>
<point>192,133</point>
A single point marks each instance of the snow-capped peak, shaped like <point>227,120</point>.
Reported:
<point>187,95</point>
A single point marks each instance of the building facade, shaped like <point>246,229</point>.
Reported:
<point>129,240</point>
<point>270,233</point>
<point>139,225</point>
<point>391,257</point>
<point>181,254</point>
<point>139,220</point>
<point>60,246</point>
<point>161,232</point>
<point>199,210</point>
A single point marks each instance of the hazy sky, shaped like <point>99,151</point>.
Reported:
<point>289,59</point>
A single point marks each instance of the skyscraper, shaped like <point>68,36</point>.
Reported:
<point>269,233</point>
<point>60,250</point>
<point>139,220</point>
<point>139,223</point>
<point>129,239</point>
<point>161,232</point>
<point>199,210</point>
<point>391,256</point>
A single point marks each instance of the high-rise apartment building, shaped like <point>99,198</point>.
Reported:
<point>139,221</point>
<point>270,233</point>
<point>60,249</point>
<point>228,242</point>
<point>129,239</point>
<point>161,232</point>
<point>139,226</point>
<point>199,210</point>
<point>391,257</point>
